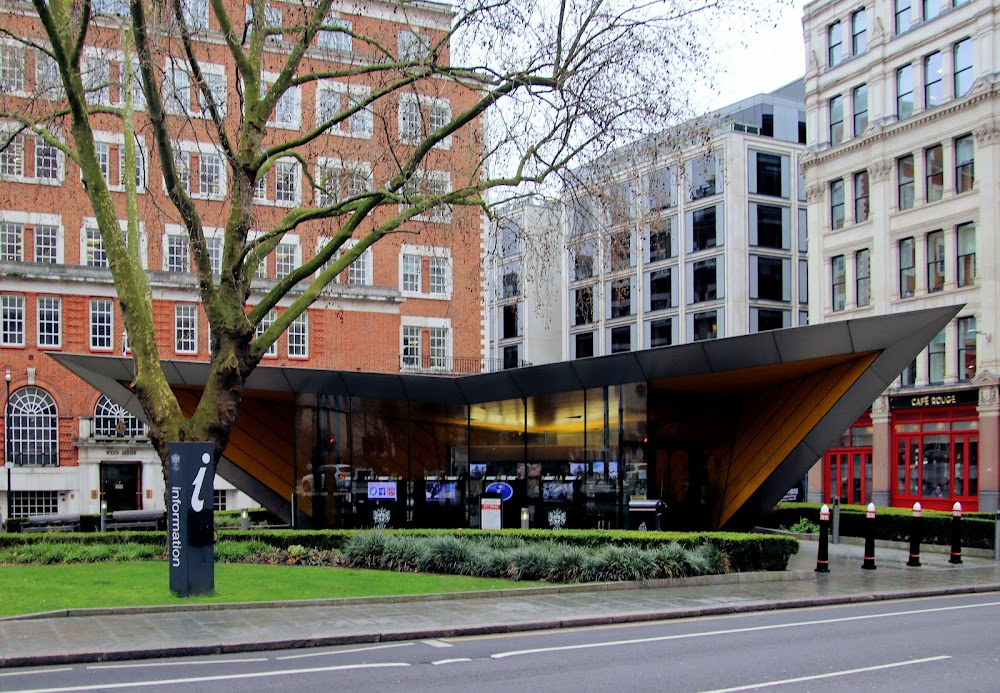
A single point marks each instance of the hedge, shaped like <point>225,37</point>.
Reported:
<point>892,524</point>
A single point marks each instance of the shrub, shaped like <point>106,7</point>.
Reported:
<point>365,550</point>
<point>402,554</point>
<point>532,562</point>
<point>672,561</point>
<point>569,564</point>
<point>709,559</point>
<point>447,555</point>
<point>624,563</point>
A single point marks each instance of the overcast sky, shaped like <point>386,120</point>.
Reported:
<point>773,57</point>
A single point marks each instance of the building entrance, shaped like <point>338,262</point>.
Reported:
<point>121,486</point>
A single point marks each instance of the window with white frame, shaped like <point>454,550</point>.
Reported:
<point>12,319</point>
<point>177,255</point>
<point>413,45</point>
<point>48,244</point>
<point>182,167</point>
<point>12,155</point>
<point>49,322</point>
<point>96,76</point>
<point>440,275</point>
<point>210,175</point>
<point>287,182</point>
<point>359,272</point>
<point>110,150</point>
<point>195,13</point>
<point>438,270</point>
<point>298,337</point>
<point>288,109</point>
<point>410,124</point>
<point>186,328</point>
<point>262,326</point>
<point>48,82</point>
<point>341,105</point>
<point>215,81</point>
<point>11,68</point>
<point>410,280</point>
<point>337,36</point>
<point>48,160</point>
<point>214,247</point>
<point>94,254</point>
<point>11,242</point>
<point>410,347</point>
<point>102,321</point>
<point>439,347</point>
<point>28,503</point>
<point>340,180</point>
<point>111,421</point>
<point>34,429</point>
<point>286,259</point>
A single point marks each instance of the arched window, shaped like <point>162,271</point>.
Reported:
<point>34,428</point>
<point>111,421</point>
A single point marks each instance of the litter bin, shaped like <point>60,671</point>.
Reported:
<point>646,514</point>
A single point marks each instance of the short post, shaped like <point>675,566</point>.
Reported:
<point>823,555</point>
<point>104,516</point>
<point>869,562</point>
<point>996,537</point>
<point>835,537</point>
<point>244,519</point>
<point>915,537</point>
<point>956,534</point>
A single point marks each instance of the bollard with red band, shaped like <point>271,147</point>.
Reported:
<point>956,534</point>
<point>869,562</point>
<point>823,555</point>
<point>915,537</point>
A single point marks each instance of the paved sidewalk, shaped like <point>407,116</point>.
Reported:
<point>100,635</point>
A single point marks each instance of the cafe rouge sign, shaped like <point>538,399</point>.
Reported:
<point>934,399</point>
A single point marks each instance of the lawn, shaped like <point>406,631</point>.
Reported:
<point>35,588</point>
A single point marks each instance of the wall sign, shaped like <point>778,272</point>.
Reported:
<point>502,489</point>
<point>934,399</point>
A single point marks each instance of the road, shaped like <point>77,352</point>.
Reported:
<point>943,643</point>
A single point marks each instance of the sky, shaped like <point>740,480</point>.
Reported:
<point>773,57</point>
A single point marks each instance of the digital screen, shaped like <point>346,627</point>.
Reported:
<point>440,491</point>
<point>477,470</point>
<point>598,468</point>
<point>577,468</point>
<point>612,470</point>
<point>382,490</point>
<point>557,491</point>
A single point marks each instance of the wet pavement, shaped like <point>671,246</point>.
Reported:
<point>133,633</point>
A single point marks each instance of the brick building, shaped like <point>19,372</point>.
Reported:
<point>411,302</point>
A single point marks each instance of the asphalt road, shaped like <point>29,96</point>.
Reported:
<point>934,644</point>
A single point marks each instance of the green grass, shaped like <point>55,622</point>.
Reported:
<point>35,588</point>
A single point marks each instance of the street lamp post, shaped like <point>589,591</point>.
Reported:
<point>7,462</point>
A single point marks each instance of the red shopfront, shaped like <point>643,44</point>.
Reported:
<point>847,472</point>
<point>935,450</point>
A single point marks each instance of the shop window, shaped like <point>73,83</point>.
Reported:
<point>847,474</point>
<point>937,457</point>
<point>966,238</point>
<point>935,261</point>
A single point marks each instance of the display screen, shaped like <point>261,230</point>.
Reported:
<point>382,490</point>
<point>477,470</point>
<point>557,491</point>
<point>440,491</point>
<point>577,468</point>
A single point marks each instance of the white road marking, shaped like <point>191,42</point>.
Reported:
<point>451,661</point>
<point>184,663</point>
<point>221,677</point>
<point>326,653</point>
<point>830,675</point>
<point>733,631</point>
<point>35,671</point>
<point>437,643</point>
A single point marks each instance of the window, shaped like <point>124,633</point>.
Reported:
<point>12,156</point>
<point>966,238</point>
<point>661,289</point>
<point>338,180</point>
<point>411,273</point>
<point>662,244</point>
<point>966,348</point>
<point>770,278</point>
<point>836,120</point>
<point>34,428</point>
<point>336,38</point>
<point>27,503</point>
<point>511,323</point>
<point>835,44</point>
<point>908,378</point>
<point>583,302</point>
<point>903,16</point>
<point>863,277</point>
<point>704,280</point>
<point>286,182</point>
<point>905,182</point>
<point>286,259</point>
<point>621,339</point>
<point>803,230</point>
<point>583,260</point>
<point>219,500</point>
<point>584,343</point>
<point>860,197</point>
<point>439,347</point>
<point>904,92</point>
<point>509,284</point>
<point>837,204</point>
<point>907,268</point>
<point>210,175</point>
<point>262,326</point>
<point>49,322</point>
<point>216,83</point>
<point>620,256</point>
<point>963,67</point>
<point>102,324</point>
<point>860,109</point>
<point>661,333</point>
<point>288,109</point>
<point>111,421</point>
<point>298,337</point>
<point>410,129</point>
<point>770,227</point>
<point>932,8</point>
<point>178,254</point>
<point>47,161</point>
<point>704,326</point>
<point>177,89</point>
<point>769,175</point>
<point>94,255</point>
<point>839,284</point>
<point>965,164</point>
<point>195,13</point>
<point>411,347</point>
<point>11,68</point>
<point>440,271</point>
<point>12,329</point>
<point>359,272</point>
<point>341,105</point>
<point>703,229</point>
<point>859,32</point>
<point>47,244</point>
<point>48,82</point>
<point>933,80</point>
<point>511,356</point>
<point>11,242</point>
<point>935,359</point>
<point>703,177</point>
<point>803,284</point>
<point>661,189</point>
<point>620,298</point>
<point>413,45</point>
<point>765,319</point>
<point>934,171</point>
<point>935,261</point>
<point>214,246</point>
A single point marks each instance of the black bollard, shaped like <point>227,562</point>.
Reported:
<point>823,555</point>
<point>869,562</point>
<point>915,537</point>
<point>956,534</point>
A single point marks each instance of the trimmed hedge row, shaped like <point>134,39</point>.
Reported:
<point>223,518</point>
<point>892,524</point>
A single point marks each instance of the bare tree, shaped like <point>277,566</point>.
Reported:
<point>531,88</point>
